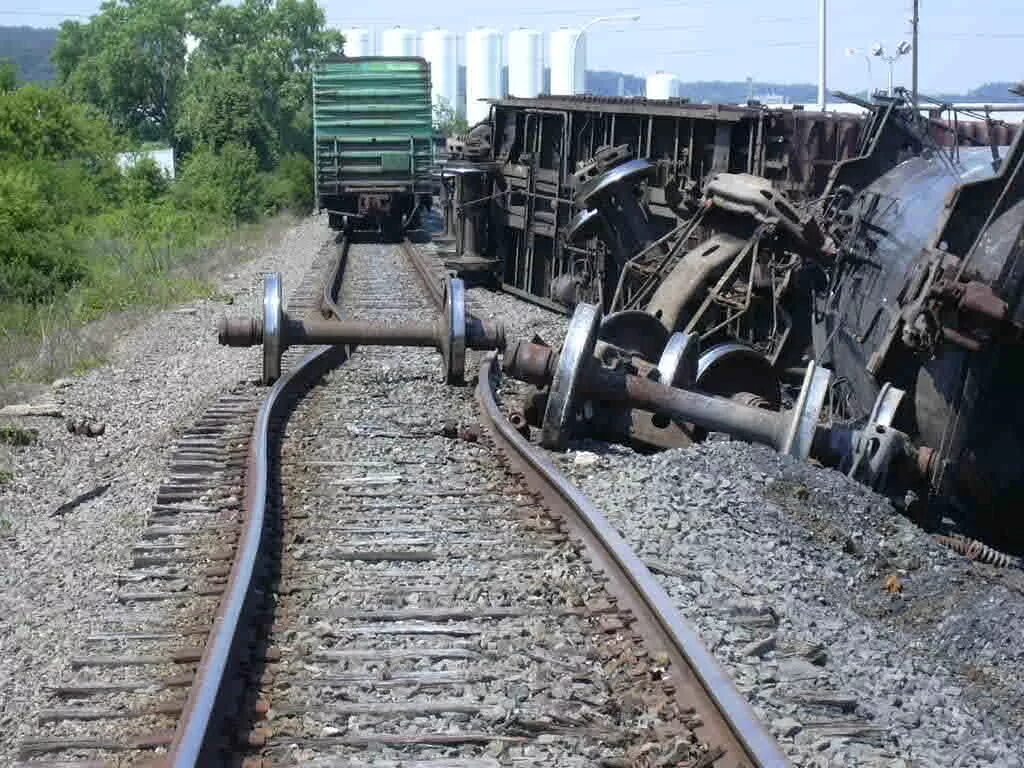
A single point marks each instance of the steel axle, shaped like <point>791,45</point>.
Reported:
<point>452,333</point>
<point>575,375</point>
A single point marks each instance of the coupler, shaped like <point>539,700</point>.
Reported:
<point>452,333</point>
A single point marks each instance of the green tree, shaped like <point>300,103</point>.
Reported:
<point>38,258</point>
<point>144,182</point>
<point>290,187</point>
<point>274,47</point>
<point>8,75</point>
<point>447,121</point>
<point>129,60</point>
<point>219,107</point>
<point>38,122</point>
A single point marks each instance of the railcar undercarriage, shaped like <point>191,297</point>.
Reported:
<point>871,322</point>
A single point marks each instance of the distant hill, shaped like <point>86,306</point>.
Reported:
<point>736,92</point>
<point>30,49</point>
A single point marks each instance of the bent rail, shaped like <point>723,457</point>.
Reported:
<point>728,719</point>
<point>196,735</point>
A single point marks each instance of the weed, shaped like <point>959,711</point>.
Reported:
<point>86,364</point>
<point>19,436</point>
<point>44,341</point>
<point>6,476</point>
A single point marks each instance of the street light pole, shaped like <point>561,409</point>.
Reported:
<point>579,36</point>
<point>915,22</point>
<point>822,53</point>
<point>901,50</point>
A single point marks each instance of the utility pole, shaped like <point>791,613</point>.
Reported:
<point>915,21</point>
<point>822,50</point>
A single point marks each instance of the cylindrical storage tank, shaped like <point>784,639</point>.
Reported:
<point>398,41</point>
<point>525,63</point>
<point>662,85</point>
<point>357,42</point>
<point>483,72</point>
<point>568,70</point>
<point>440,49</point>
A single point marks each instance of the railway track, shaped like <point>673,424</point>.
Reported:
<point>403,581</point>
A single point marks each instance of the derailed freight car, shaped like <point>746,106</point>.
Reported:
<point>514,192</point>
<point>876,328</point>
<point>373,141</point>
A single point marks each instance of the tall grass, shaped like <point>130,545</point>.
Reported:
<point>161,264</point>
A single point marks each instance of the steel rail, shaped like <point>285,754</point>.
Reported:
<point>196,737</point>
<point>728,720</point>
<point>428,277</point>
<point>329,297</point>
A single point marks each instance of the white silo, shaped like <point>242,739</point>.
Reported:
<point>357,42</point>
<point>525,63</point>
<point>483,72</point>
<point>440,49</point>
<point>662,85</point>
<point>567,69</point>
<point>398,41</point>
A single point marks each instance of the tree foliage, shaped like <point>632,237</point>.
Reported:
<point>238,112</point>
<point>447,121</point>
<point>37,257</point>
<point>225,181</point>
<point>248,80</point>
<point>220,107</point>
<point>37,122</point>
<point>271,47</point>
<point>8,75</point>
<point>129,60</point>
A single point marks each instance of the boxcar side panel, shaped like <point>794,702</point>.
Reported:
<point>372,132</point>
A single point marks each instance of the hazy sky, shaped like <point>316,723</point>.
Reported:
<point>963,42</point>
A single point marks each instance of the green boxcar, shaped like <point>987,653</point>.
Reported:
<point>373,140</point>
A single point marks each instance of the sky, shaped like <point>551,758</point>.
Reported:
<point>963,43</point>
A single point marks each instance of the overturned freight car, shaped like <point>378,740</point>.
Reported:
<point>874,325</point>
<point>515,187</point>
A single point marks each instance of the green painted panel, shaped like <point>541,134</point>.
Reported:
<point>372,123</point>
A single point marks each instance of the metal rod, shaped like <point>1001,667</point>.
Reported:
<point>715,414</point>
<point>362,332</point>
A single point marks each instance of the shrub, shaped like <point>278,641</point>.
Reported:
<point>39,257</point>
<point>226,182</point>
<point>144,182</point>
<point>290,186</point>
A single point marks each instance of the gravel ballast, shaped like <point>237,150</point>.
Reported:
<point>859,640</point>
<point>60,565</point>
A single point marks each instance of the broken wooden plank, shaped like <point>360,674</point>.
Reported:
<point>80,499</point>
<point>386,654</point>
<point>386,708</point>
<point>32,409</point>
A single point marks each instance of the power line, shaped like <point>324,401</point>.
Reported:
<point>48,14</point>
<point>732,49</point>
